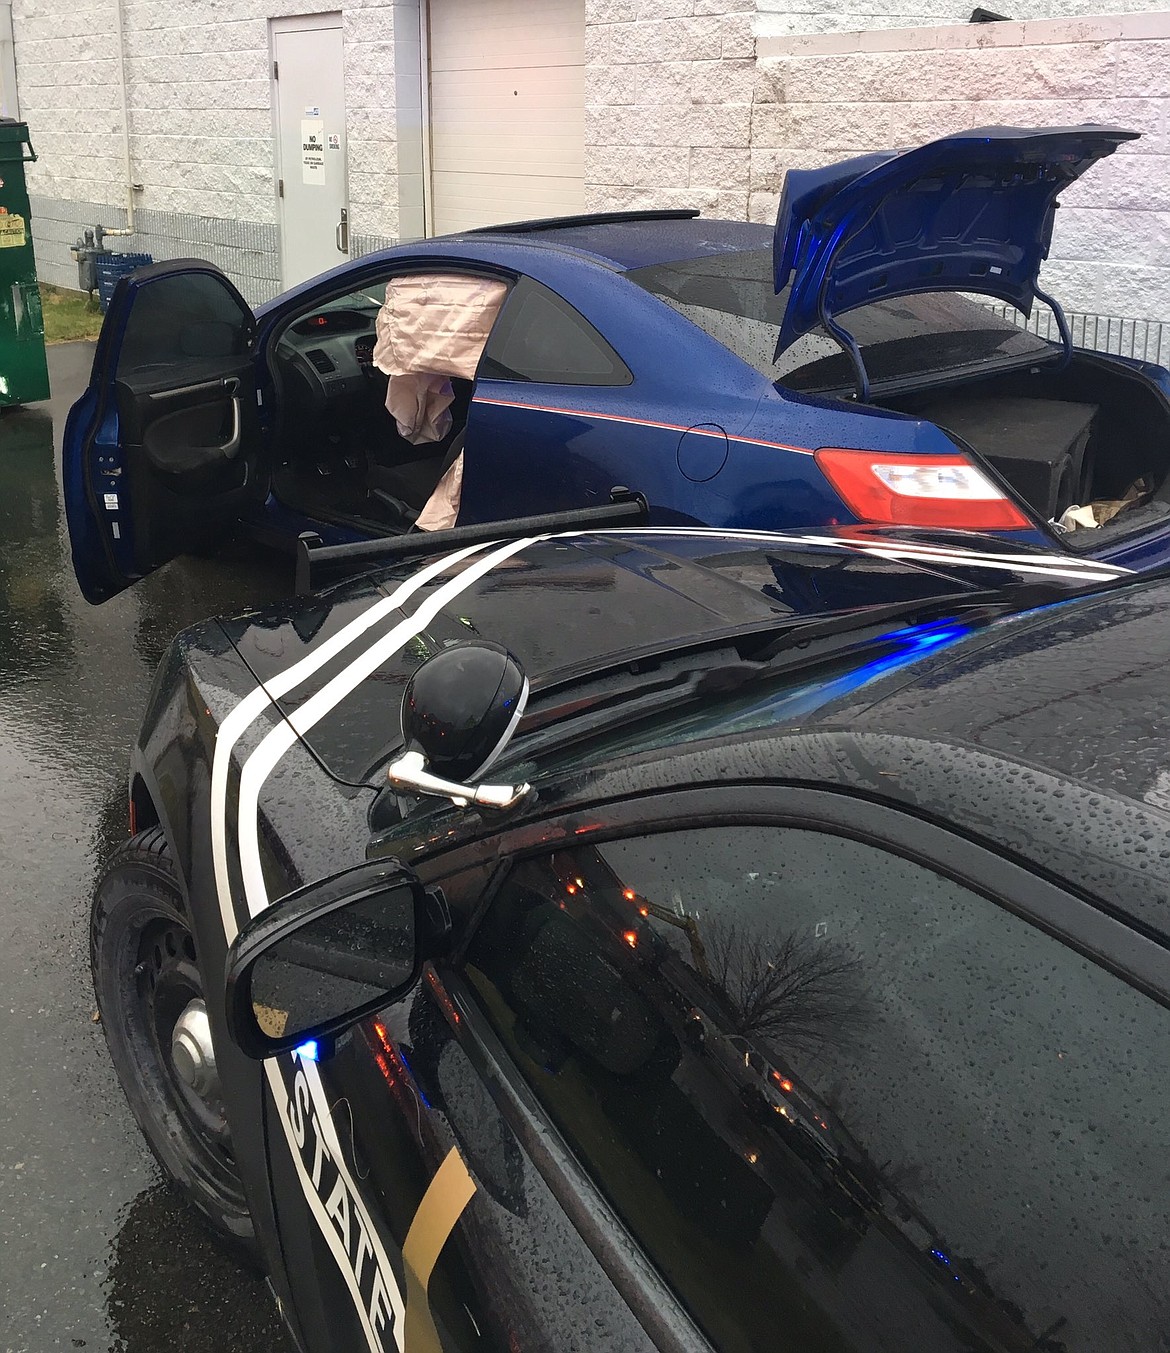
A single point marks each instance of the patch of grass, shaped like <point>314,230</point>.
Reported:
<point>69,315</point>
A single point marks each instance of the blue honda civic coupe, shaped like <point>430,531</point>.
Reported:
<point>850,372</point>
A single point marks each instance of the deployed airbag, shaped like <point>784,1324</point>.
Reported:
<point>442,507</point>
<point>420,404</point>
<point>431,327</point>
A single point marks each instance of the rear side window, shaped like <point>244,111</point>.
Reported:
<point>540,337</point>
<point>842,1102</point>
<point>732,297</point>
<point>183,317</point>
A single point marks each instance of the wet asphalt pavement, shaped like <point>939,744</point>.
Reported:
<point>95,1251</point>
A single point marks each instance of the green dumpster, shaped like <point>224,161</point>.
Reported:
<point>24,375</point>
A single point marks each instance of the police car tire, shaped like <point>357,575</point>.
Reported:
<point>138,883</point>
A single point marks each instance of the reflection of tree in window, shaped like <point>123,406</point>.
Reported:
<point>784,985</point>
<point>610,1033</point>
<point>832,1091</point>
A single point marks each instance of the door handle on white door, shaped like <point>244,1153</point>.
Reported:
<point>343,232</point>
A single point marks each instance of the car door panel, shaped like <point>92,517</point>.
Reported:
<point>553,448</point>
<point>383,1131</point>
<point>573,398</point>
<point>192,431</point>
<point>559,417</point>
<point>638,1145</point>
<point>164,451</point>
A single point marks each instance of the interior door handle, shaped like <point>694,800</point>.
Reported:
<point>229,449</point>
<point>342,234</point>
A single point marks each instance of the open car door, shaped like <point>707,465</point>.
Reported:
<point>164,450</point>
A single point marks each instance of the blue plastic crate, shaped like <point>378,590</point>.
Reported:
<point>112,266</point>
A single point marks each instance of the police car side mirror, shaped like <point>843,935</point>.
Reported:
<point>323,957</point>
<point>459,711</point>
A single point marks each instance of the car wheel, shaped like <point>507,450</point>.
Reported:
<point>150,995</point>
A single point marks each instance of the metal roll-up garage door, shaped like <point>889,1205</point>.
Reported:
<point>507,110</point>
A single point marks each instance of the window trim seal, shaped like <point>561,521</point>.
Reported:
<point>1107,940</point>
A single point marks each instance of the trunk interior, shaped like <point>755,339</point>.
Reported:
<point>1085,435</point>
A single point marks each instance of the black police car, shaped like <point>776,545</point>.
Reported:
<point>562,944</point>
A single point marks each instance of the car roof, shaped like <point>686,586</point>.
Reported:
<point>1078,687</point>
<point>638,242</point>
<point>1055,726</point>
<point>619,241</point>
<point>1040,735</point>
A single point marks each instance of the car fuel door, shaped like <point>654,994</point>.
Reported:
<point>164,451</point>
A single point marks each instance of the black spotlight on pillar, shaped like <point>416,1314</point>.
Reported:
<point>459,711</point>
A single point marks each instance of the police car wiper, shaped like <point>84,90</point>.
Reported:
<point>317,562</point>
<point>973,608</point>
<point>645,684</point>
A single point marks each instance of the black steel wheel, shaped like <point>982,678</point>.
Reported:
<point>150,995</point>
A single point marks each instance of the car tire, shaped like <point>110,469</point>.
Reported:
<point>145,975</point>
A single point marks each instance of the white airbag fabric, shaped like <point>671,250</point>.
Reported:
<point>421,406</point>
<point>442,507</point>
<point>431,327</point>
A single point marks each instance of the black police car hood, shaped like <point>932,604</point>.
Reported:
<point>336,663</point>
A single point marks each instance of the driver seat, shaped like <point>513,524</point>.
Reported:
<point>383,481</point>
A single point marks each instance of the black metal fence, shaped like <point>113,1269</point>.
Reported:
<point>1146,339</point>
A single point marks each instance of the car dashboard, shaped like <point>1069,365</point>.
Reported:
<point>330,356</point>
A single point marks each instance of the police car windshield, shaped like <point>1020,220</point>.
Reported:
<point>643,685</point>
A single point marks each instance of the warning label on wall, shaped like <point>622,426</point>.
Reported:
<point>12,232</point>
<point>312,151</point>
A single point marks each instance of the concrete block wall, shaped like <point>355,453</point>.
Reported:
<point>668,104</point>
<point>200,112</point>
<point>788,17</point>
<point>823,97</point>
<point>688,102</point>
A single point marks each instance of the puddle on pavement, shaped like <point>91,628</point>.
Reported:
<point>97,1254</point>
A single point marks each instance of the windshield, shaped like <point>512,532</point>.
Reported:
<point>732,297</point>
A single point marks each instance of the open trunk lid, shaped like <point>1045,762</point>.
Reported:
<point>970,212</point>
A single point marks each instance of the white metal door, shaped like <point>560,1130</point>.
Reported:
<point>309,112</point>
<point>507,110</point>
